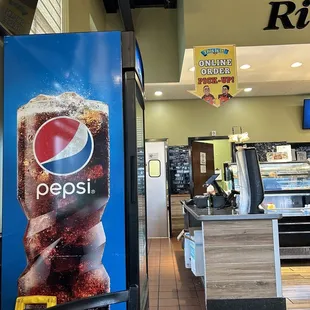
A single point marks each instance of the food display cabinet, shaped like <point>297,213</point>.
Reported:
<point>287,191</point>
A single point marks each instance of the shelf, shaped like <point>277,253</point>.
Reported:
<point>295,223</point>
<point>294,232</point>
<point>295,252</point>
<point>293,257</point>
<point>288,191</point>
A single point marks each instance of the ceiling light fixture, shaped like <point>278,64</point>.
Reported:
<point>296,64</point>
<point>248,89</point>
<point>158,93</point>
<point>192,69</point>
<point>245,67</point>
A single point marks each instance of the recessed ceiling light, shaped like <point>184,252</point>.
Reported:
<point>158,93</point>
<point>245,67</point>
<point>192,69</point>
<point>296,64</point>
<point>248,89</point>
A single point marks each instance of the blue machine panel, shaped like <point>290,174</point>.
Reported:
<point>63,200</point>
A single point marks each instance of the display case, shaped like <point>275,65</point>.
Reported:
<point>286,185</point>
<point>287,191</point>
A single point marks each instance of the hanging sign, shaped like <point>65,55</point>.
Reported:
<point>215,74</point>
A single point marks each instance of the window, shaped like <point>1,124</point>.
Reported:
<point>154,168</point>
<point>48,17</point>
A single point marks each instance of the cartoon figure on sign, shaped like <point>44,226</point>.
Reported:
<point>208,97</point>
<point>225,96</point>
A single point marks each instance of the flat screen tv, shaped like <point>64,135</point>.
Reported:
<point>306,114</point>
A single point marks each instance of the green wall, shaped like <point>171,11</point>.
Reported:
<point>275,118</point>
<point>222,154</point>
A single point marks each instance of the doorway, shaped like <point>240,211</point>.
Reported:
<point>217,150</point>
<point>158,215</point>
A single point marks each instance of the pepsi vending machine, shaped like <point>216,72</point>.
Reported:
<point>74,218</point>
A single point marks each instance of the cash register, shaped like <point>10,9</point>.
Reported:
<point>219,199</point>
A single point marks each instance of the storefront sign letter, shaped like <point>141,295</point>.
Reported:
<point>289,7</point>
<point>303,14</point>
<point>284,18</point>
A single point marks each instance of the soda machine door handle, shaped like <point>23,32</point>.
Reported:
<point>133,179</point>
<point>105,300</point>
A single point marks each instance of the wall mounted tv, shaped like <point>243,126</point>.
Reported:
<point>306,114</point>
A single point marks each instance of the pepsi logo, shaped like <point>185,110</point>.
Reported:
<point>63,146</point>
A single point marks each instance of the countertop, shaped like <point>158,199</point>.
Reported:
<point>227,214</point>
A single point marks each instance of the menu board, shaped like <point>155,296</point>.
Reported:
<point>262,148</point>
<point>302,148</point>
<point>179,166</point>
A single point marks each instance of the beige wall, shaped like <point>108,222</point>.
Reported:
<point>181,33</point>
<point>265,118</point>
<point>90,15</point>
<point>239,22</point>
<point>156,31</point>
<point>157,34</point>
<point>84,15</point>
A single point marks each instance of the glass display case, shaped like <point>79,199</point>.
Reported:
<point>287,191</point>
<point>286,186</point>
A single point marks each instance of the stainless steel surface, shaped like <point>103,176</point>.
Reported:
<point>211,214</point>
<point>287,194</point>
<point>277,263</point>
<point>205,277</point>
<point>156,187</point>
<point>289,211</point>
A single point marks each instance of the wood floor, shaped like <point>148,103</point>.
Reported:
<point>296,286</point>
<point>172,287</point>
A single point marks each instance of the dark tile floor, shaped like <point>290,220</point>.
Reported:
<point>172,286</point>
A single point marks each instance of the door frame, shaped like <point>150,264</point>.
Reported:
<point>168,181</point>
<point>191,140</point>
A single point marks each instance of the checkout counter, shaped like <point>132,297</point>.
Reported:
<point>236,252</point>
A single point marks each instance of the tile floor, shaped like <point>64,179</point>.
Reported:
<point>173,287</point>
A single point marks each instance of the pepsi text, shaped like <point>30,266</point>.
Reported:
<point>67,189</point>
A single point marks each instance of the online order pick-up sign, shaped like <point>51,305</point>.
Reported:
<point>215,74</point>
